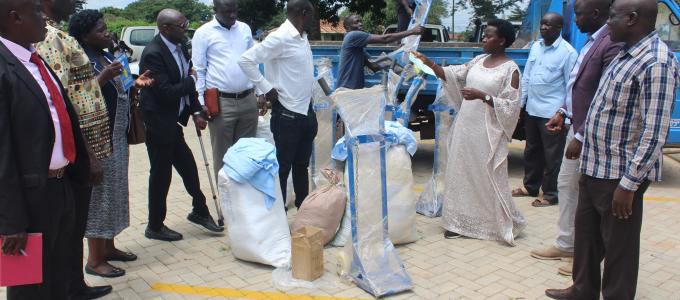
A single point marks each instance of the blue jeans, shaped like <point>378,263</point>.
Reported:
<point>294,138</point>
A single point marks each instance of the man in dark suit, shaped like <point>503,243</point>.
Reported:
<point>595,56</point>
<point>42,151</point>
<point>171,101</point>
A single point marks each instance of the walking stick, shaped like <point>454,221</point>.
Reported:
<point>220,217</point>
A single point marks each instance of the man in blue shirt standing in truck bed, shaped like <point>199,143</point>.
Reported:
<point>353,55</point>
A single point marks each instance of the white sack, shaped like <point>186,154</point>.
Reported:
<point>256,234</point>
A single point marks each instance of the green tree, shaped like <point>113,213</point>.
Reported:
<point>517,14</point>
<point>376,23</point>
<point>147,10</point>
<point>487,9</point>
<point>328,10</point>
<point>258,14</point>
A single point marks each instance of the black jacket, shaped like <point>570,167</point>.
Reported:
<point>26,141</point>
<point>160,103</point>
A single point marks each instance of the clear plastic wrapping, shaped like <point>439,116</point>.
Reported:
<point>326,117</point>
<point>412,42</point>
<point>403,116</point>
<point>376,266</point>
<point>431,199</point>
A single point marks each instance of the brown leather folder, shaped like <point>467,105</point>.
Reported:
<point>212,101</point>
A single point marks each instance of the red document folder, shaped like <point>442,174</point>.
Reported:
<point>22,270</point>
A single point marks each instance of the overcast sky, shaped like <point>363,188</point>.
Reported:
<point>462,17</point>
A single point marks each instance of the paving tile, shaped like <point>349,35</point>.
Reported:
<point>440,269</point>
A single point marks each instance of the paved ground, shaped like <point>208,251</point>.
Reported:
<point>201,265</point>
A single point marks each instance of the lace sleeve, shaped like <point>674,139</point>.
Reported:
<point>455,80</point>
<point>507,104</point>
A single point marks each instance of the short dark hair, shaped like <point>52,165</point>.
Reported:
<point>345,22</point>
<point>504,29</point>
<point>83,22</point>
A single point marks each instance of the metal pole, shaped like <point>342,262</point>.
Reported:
<point>220,217</point>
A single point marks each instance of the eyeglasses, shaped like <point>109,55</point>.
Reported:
<point>184,25</point>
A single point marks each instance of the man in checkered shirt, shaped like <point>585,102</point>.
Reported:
<point>626,129</point>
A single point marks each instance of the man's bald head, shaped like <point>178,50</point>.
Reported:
<point>646,10</point>
<point>551,26</point>
<point>226,12</point>
<point>169,16</point>
<point>224,2</point>
<point>554,19</point>
<point>632,20</point>
<point>295,8</point>
<point>301,14</point>
<point>591,15</point>
<point>22,22</point>
<point>173,25</point>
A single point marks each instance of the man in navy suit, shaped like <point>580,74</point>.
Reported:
<point>166,105</point>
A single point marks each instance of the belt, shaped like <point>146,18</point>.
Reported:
<point>236,95</point>
<point>58,173</point>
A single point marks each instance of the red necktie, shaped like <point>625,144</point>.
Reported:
<point>67,141</point>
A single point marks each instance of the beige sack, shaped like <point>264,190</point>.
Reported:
<point>323,208</point>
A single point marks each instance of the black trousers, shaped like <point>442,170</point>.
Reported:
<point>52,214</point>
<point>82,195</point>
<point>162,158</point>
<point>294,138</point>
<point>599,235</point>
<point>542,157</point>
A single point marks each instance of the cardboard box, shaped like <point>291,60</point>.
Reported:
<point>307,247</point>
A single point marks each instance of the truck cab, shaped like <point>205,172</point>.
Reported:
<point>431,33</point>
<point>668,27</point>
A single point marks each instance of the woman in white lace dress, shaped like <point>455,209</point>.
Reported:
<point>485,93</point>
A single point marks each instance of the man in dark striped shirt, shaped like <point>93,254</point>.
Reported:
<point>626,128</point>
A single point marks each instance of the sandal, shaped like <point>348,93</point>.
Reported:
<point>122,256</point>
<point>115,272</point>
<point>520,192</point>
<point>542,203</point>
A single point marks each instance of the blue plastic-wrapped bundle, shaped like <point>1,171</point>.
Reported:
<point>375,264</point>
<point>430,201</point>
<point>326,117</point>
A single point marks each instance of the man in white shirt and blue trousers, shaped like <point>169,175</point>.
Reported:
<point>544,91</point>
<point>287,84</point>
<point>216,48</point>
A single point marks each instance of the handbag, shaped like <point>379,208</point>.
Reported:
<point>136,133</point>
<point>520,133</point>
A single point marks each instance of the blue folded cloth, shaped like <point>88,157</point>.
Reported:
<point>253,160</point>
<point>399,134</point>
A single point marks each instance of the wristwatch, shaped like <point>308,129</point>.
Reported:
<point>563,114</point>
<point>487,98</point>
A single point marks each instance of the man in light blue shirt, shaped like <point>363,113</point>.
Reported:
<point>216,48</point>
<point>544,91</point>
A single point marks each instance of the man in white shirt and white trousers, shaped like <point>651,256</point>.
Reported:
<point>217,46</point>
<point>289,71</point>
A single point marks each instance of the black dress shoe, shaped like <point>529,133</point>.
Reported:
<point>206,221</point>
<point>451,235</point>
<point>561,294</point>
<point>115,272</point>
<point>165,234</point>
<point>122,256</point>
<point>92,292</point>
